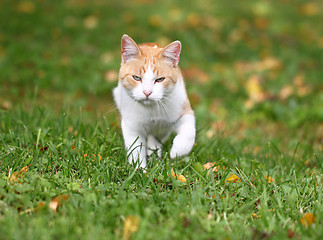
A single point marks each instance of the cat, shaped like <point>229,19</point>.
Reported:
<point>152,100</point>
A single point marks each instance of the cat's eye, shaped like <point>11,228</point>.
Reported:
<point>159,79</point>
<point>136,78</point>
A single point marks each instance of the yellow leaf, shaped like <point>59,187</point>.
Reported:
<point>90,22</point>
<point>26,7</point>
<point>233,178</point>
<point>255,90</point>
<point>155,20</point>
<point>269,179</point>
<point>310,9</point>
<point>178,176</point>
<point>130,226</point>
<point>193,20</point>
<point>16,175</point>
<point>308,219</point>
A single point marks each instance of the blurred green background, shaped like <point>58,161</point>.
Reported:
<point>247,64</point>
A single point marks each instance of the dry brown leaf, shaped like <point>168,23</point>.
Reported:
<point>208,165</point>
<point>57,201</point>
<point>107,57</point>
<point>94,156</point>
<point>302,88</point>
<point>155,20</point>
<point>6,105</point>
<point>39,206</point>
<point>309,9</point>
<point>193,20</point>
<point>130,226</point>
<point>286,92</point>
<point>111,76</point>
<point>268,63</point>
<point>26,7</point>
<point>90,22</point>
<point>308,219</point>
<point>261,23</point>
<point>178,176</point>
<point>197,74</point>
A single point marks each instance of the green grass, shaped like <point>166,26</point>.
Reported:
<point>57,117</point>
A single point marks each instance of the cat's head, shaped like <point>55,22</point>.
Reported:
<point>149,72</point>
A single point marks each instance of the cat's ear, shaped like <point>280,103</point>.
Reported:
<point>129,48</point>
<point>171,53</point>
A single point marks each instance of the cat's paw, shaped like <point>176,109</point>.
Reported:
<point>182,145</point>
<point>154,147</point>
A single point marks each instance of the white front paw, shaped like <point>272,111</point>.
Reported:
<point>182,145</point>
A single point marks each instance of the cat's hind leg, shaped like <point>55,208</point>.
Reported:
<point>154,146</point>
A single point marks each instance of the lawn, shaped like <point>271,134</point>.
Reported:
<point>253,72</point>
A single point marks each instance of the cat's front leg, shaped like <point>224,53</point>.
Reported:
<point>154,146</point>
<point>185,138</point>
<point>135,144</point>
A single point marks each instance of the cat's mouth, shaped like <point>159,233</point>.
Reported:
<point>147,101</point>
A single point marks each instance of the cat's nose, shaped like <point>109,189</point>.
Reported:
<point>147,93</point>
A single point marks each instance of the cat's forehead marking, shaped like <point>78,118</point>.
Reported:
<point>149,73</point>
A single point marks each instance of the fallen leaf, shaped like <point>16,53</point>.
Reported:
<point>19,175</point>
<point>130,226</point>
<point>309,9</point>
<point>308,219</point>
<point>302,88</point>
<point>111,76</point>
<point>268,63</point>
<point>90,22</point>
<point>196,74</point>
<point>155,20</point>
<point>254,216</point>
<point>107,57</point>
<point>57,201</point>
<point>178,176</point>
<point>94,156</point>
<point>26,7</point>
<point>290,233</point>
<point>269,179</point>
<point>208,165</point>
<point>39,206</point>
<point>286,92</point>
<point>6,105</point>
<point>255,90</point>
<point>193,20</point>
<point>233,178</point>
<point>261,23</point>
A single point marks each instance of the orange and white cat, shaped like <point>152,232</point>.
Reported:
<point>152,100</point>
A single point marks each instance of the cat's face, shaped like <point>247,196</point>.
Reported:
<point>149,72</point>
